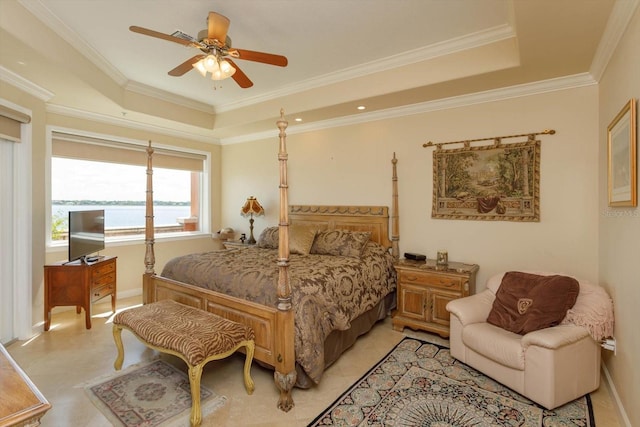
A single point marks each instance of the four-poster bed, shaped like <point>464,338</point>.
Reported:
<point>281,340</point>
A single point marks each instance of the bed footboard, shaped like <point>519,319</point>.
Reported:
<point>262,319</point>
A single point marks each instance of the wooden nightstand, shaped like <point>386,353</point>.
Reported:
<point>79,284</point>
<point>424,291</point>
<point>236,244</point>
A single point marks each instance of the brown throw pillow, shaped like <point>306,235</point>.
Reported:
<point>527,302</point>
<point>301,238</point>
<point>340,243</point>
<point>269,238</point>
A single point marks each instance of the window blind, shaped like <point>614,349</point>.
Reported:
<point>10,121</point>
<point>103,150</point>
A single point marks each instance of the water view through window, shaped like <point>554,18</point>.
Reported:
<point>119,189</point>
<point>128,216</point>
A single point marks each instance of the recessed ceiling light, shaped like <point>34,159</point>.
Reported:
<point>361,107</point>
<point>298,119</point>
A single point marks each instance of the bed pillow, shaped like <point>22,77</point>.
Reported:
<point>527,302</point>
<point>301,238</point>
<point>268,238</point>
<point>341,243</point>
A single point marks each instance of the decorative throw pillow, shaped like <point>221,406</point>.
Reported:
<point>341,243</point>
<point>268,238</point>
<point>527,302</point>
<point>301,238</point>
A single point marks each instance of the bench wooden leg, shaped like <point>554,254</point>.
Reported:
<point>117,337</point>
<point>195,373</point>
<point>248,381</point>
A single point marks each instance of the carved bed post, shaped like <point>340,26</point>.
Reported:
<point>395,226</point>
<point>149,256</point>
<point>285,373</point>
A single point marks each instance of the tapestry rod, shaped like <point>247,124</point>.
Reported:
<point>496,139</point>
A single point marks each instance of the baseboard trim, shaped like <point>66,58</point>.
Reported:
<point>128,294</point>
<point>616,397</point>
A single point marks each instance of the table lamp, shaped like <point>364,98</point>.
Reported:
<point>250,208</point>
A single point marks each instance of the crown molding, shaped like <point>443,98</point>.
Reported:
<point>517,91</point>
<point>129,124</point>
<point>562,83</point>
<point>45,15</point>
<point>616,25</point>
<point>469,41</point>
<point>162,95</point>
<point>25,85</point>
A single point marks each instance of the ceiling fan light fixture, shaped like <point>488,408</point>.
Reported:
<point>226,70</point>
<point>211,64</point>
<point>200,67</point>
<point>225,67</point>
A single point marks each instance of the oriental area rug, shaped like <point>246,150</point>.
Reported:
<point>149,394</point>
<point>420,384</point>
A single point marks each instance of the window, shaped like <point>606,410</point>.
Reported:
<point>94,173</point>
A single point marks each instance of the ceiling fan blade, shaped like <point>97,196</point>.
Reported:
<point>185,66</point>
<point>217,27</point>
<point>265,58</point>
<point>152,33</point>
<point>239,76</point>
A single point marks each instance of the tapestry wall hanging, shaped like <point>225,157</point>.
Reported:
<point>488,182</point>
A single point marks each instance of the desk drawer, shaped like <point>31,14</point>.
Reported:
<point>101,270</point>
<point>433,280</point>
<point>101,292</point>
<point>103,280</point>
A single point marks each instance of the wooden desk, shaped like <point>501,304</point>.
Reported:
<point>21,404</point>
<point>79,284</point>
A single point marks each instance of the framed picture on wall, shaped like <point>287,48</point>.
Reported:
<point>621,157</point>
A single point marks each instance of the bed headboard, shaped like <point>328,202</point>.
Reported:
<point>374,219</point>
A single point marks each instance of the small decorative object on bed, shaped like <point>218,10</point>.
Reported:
<point>500,181</point>
<point>224,234</point>
<point>621,154</point>
<point>250,208</point>
<point>308,288</point>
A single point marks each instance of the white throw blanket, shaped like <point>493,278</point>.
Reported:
<point>593,310</point>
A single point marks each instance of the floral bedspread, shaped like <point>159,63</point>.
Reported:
<point>327,291</point>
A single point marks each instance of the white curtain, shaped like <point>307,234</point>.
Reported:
<point>7,327</point>
<point>16,279</point>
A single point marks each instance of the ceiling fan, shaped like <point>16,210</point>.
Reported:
<point>215,45</point>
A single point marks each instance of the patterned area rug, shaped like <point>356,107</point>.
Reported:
<point>149,394</point>
<point>420,384</point>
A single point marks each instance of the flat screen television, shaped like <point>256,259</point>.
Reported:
<point>86,234</point>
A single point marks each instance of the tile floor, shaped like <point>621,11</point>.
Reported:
<point>61,360</point>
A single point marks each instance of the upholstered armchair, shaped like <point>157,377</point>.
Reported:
<point>550,366</point>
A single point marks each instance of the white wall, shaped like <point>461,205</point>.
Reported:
<point>352,165</point>
<point>620,229</point>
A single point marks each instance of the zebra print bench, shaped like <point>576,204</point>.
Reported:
<point>194,335</point>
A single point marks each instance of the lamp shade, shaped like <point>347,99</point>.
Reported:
<point>219,68</point>
<point>252,207</point>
